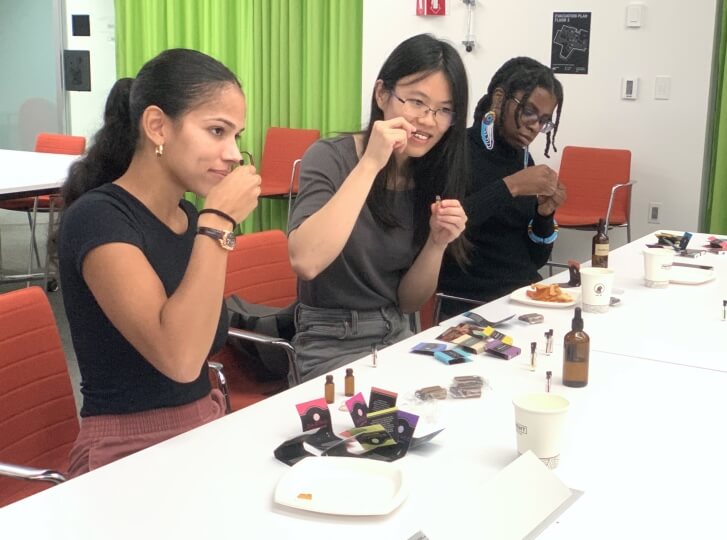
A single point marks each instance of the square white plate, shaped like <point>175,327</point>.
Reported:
<point>342,485</point>
<point>520,295</point>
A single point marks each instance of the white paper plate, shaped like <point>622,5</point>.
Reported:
<point>520,296</point>
<point>342,485</point>
<point>690,276</point>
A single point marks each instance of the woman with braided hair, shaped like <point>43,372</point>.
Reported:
<point>511,200</point>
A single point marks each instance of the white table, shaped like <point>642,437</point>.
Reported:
<point>24,174</point>
<point>645,441</point>
<point>680,324</point>
<point>32,173</point>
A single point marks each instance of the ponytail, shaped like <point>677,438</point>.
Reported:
<point>113,146</point>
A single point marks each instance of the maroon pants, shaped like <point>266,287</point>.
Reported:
<point>106,438</point>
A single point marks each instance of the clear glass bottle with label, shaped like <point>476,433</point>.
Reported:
<point>599,251</point>
<point>576,350</point>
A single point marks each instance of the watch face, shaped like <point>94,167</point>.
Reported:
<point>228,240</point>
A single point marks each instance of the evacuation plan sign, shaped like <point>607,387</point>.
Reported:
<point>571,37</point>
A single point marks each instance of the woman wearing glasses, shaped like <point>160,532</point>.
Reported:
<point>511,201</point>
<point>376,210</point>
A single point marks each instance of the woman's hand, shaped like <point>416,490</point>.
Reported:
<point>447,222</point>
<point>237,193</point>
<point>536,180</point>
<point>387,136</point>
<point>548,205</point>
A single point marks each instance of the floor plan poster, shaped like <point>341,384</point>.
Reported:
<point>571,38</point>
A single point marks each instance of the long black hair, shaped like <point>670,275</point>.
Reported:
<point>444,170</point>
<point>523,74</point>
<point>175,81</point>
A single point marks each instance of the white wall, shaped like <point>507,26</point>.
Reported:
<point>85,109</point>
<point>667,138</point>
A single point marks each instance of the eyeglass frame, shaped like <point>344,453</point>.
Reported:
<point>545,126</point>
<point>434,112</point>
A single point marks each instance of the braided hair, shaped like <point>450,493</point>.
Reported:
<point>523,74</point>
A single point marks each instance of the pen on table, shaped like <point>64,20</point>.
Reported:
<point>373,354</point>
<point>548,376</point>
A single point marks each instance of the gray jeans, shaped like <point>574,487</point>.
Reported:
<point>326,339</point>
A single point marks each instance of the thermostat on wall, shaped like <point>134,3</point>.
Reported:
<point>629,87</point>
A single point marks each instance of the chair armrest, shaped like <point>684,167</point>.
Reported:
<point>31,473</point>
<point>284,344</point>
<point>438,297</point>
<point>615,188</point>
<point>219,372</point>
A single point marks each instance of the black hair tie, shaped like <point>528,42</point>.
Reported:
<point>219,213</point>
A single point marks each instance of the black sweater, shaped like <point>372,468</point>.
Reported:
<point>502,257</point>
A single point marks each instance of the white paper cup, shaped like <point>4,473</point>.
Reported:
<point>657,266</point>
<point>596,287</point>
<point>539,420</point>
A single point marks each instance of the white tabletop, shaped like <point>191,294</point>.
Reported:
<point>645,441</point>
<point>679,324</point>
<point>32,173</point>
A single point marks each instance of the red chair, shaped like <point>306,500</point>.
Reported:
<point>280,164</point>
<point>593,178</point>
<point>259,271</point>
<point>38,418</point>
<point>51,143</point>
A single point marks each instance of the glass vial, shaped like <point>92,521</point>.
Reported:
<point>576,349</point>
<point>348,383</point>
<point>599,251</point>
<point>329,389</point>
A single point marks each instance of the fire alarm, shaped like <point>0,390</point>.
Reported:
<point>431,7</point>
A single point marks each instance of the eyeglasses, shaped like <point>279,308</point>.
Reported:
<point>418,109</point>
<point>249,160</point>
<point>529,116</point>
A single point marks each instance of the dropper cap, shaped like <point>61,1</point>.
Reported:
<point>577,324</point>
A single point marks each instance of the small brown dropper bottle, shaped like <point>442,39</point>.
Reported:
<point>576,349</point>
<point>348,382</point>
<point>329,389</point>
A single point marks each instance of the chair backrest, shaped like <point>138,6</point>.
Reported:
<point>588,175</point>
<point>259,271</point>
<point>57,143</point>
<point>38,418</point>
<point>282,147</point>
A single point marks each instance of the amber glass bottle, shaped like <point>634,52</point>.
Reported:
<point>348,382</point>
<point>599,251</point>
<point>576,349</point>
<point>329,389</point>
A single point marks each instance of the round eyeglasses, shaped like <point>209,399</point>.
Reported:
<point>529,116</point>
<point>444,116</point>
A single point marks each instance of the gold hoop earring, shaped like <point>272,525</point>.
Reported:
<point>159,150</point>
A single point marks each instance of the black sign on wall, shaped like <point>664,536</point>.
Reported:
<point>571,43</point>
<point>77,71</point>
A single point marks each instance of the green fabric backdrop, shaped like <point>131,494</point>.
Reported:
<point>716,207</point>
<point>299,62</point>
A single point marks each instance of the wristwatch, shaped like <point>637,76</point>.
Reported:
<point>225,238</point>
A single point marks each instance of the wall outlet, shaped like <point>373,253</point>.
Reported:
<point>654,212</point>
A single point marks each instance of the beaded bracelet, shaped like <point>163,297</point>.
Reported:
<point>219,213</point>
<point>539,239</point>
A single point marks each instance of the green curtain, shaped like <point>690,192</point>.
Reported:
<point>716,204</point>
<point>299,62</point>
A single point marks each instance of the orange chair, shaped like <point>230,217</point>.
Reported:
<point>50,143</point>
<point>38,418</point>
<point>280,164</point>
<point>259,271</point>
<point>593,178</point>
